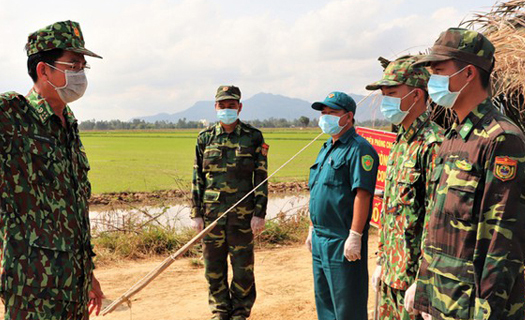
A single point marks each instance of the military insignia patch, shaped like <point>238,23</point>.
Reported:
<point>77,33</point>
<point>331,95</point>
<point>264,149</point>
<point>463,165</point>
<point>505,168</point>
<point>367,162</point>
<point>225,89</point>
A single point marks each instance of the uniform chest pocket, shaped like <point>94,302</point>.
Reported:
<point>461,194</point>
<point>313,175</point>
<point>83,169</point>
<point>42,166</point>
<point>245,160</point>
<point>407,183</point>
<point>335,173</point>
<point>212,161</point>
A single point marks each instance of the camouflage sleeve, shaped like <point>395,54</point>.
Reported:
<point>499,251</point>
<point>380,243</point>
<point>428,161</point>
<point>198,181</point>
<point>260,174</point>
<point>6,128</point>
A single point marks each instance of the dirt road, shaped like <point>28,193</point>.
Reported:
<point>283,277</point>
<point>284,287</point>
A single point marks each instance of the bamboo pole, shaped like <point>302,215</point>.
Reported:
<point>141,284</point>
<point>168,261</point>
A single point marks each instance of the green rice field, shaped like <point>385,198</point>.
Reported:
<point>159,160</point>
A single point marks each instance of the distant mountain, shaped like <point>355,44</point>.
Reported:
<point>262,106</point>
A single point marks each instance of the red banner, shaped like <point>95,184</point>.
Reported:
<point>382,141</point>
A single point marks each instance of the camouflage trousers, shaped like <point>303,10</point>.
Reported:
<point>392,306</point>
<point>23,308</point>
<point>233,301</point>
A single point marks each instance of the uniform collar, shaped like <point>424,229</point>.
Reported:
<point>345,138</point>
<point>414,128</point>
<point>44,110</point>
<point>473,118</point>
<point>237,130</point>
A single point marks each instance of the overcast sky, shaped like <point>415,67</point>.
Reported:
<point>164,55</point>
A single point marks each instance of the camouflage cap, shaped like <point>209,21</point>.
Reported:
<point>464,45</point>
<point>228,93</point>
<point>64,35</point>
<point>402,71</point>
<point>336,100</point>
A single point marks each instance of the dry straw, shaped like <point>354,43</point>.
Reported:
<point>504,26</point>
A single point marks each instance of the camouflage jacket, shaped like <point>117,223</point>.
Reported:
<point>227,167</point>
<point>472,265</point>
<point>406,199</point>
<point>46,246</point>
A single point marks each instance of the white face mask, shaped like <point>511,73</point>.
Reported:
<point>438,90</point>
<point>75,87</point>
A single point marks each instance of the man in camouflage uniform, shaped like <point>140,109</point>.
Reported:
<point>472,265</point>
<point>46,255</point>
<point>230,160</point>
<point>407,186</point>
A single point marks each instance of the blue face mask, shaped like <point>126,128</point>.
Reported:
<point>227,116</point>
<point>391,109</point>
<point>438,90</point>
<point>330,124</point>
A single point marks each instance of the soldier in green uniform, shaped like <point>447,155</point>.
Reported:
<point>342,183</point>
<point>230,160</point>
<point>472,264</point>
<point>46,254</point>
<point>407,187</point>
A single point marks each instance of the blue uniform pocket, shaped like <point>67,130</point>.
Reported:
<point>335,173</point>
<point>314,172</point>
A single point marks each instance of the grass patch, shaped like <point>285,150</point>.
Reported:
<point>156,160</point>
<point>284,231</point>
<point>136,241</point>
<point>151,241</point>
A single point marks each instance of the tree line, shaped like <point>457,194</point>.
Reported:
<point>138,124</point>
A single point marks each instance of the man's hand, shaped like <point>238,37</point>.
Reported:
<point>426,316</point>
<point>95,296</point>
<point>197,224</point>
<point>257,225</point>
<point>353,246</point>
<point>308,242</point>
<point>409,299</point>
<point>376,278</point>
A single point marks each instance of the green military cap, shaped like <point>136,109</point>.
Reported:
<point>228,93</point>
<point>464,45</point>
<point>64,35</point>
<point>402,71</point>
<point>336,100</point>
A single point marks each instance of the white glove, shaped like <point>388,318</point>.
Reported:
<point>308,242</point>
<point>409,299</point>
<point>197,224</point>
<point>376,278</point>
<point>426,316</point>
<point>257,225</point>
<point>353,246</point>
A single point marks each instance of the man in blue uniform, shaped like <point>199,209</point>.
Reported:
<point>342,182</point>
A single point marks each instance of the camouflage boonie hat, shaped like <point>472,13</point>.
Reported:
<point>64,35</point>
<point>336,100</point>
<point>402,71</point>
<point>464,45</point>
<point>228,93</point>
